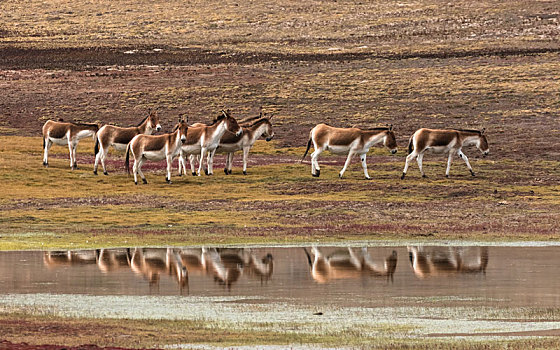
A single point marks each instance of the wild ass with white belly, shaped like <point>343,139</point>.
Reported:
<point>230,143</point>
<point>350,141</point>
<point>204,139</point>
<point>63,133</point>
<point>446,141</point>
<point>155,147</point>
<point>118,138</point>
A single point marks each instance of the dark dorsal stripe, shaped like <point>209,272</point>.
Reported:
<point>469,130</point>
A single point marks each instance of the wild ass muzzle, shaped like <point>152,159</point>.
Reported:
<point>446,141</point>
<point>204,139</point>
<point>348,141</point>
<point>118,138</point>
<point>63,133</point>
<point>155,147</point>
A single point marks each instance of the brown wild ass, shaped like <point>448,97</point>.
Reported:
<point>446,261</point>
<point>230,143</point>
<point>158,147</point>
<point>63,133</point>
<point>348,264</point>
<point>151,263</point>
<point>446,141</point>
<point>110,135</point>
<point>350,141</point>
<point>204,139</point>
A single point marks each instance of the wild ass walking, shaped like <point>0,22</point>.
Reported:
<point>158,147</point>
<point>348,141</point>
<point>63,133</point>
<point>447,141</point>
<point>204,139</point>
<point>110,135</point>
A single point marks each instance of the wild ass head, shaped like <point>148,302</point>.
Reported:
<point>390,140</point>
<point>153,120</point>
<point>231,123</point>
<point>482,143</point>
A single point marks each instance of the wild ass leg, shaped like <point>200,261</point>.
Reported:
<point>462,155</point>
<point>135,171</point>
<point>364,165</point>
<point>48,144</point>
<point>139,169</point>
<point>169,162</point>
<point>100,157</point>
<point>210,162</point>
<point>449,160</point>
<point>72,144</point>
<point>180,162</point>
<point>245,158</point>
<point>350,155</point>
<point>229,160</point>
<point>192,160</point>
<point>409,158</point>
<point>315,169</point>
<point>202,154</point>
<point>419,161</point>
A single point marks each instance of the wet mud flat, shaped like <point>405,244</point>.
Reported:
<point>413,293</point>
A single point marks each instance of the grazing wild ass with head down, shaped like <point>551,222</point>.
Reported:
<point>158,147</point>
<point>447,141</point>
<point>348,141</point>
<point>204,139</point>
<point>63,134</point>
<point>110,135</point>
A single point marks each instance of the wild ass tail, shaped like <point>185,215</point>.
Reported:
<point>126,163</point>
<point>307,150</point>
<point>410,145</point>
<point>96,147</point>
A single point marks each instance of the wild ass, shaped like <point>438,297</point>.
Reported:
<point>204,139</point>
<point>348,141</point>
<point>150,147</point>
<point>447,141</point>
<point>445,261</point>
<point>348,264</point>
<point>110,135</point>
<point>63,133</point>
<point>230,143</point>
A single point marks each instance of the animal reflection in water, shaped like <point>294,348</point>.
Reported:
<point>446,261</point>
<point>349,263</point>
<point>225,265</point>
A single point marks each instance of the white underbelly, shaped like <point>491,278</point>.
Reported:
<point>63,141</point>
<point>438,149</point>
<point>120,146</point>
<point>338,149</point>
<point>191,149</point>
<point>155,155</point>
<point>84,133</point>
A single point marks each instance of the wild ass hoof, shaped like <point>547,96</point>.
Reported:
<point>136,183</point>
<point>180,174</point>
<point>74,167</point>
<point>95,172</point>
<point>144,181</point>
<point>194,173</point>
<point>229,171</point>
<point>105,173</point>
<point>472,173</point>
<point>244,172</point>
<point>317,174</point>
<point>168,181</point>
<point>424,176</point>
<point>206,172</point>
<point>226,171</point>
<point>45,164</point>
<point>368,178</point>
<point>447,176</point>
<point>403,175</point>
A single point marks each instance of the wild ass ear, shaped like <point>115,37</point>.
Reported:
<point>272,115</point>
<point>482,131</point>
<point>390,127</point>
<point>187,120</point>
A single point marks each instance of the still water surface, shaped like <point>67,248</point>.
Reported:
<point>345,276</point>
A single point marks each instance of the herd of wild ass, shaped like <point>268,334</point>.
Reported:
<point>227,135</point>
<point>227,265</point>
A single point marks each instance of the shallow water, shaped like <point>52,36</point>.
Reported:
<point>315,276</point>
